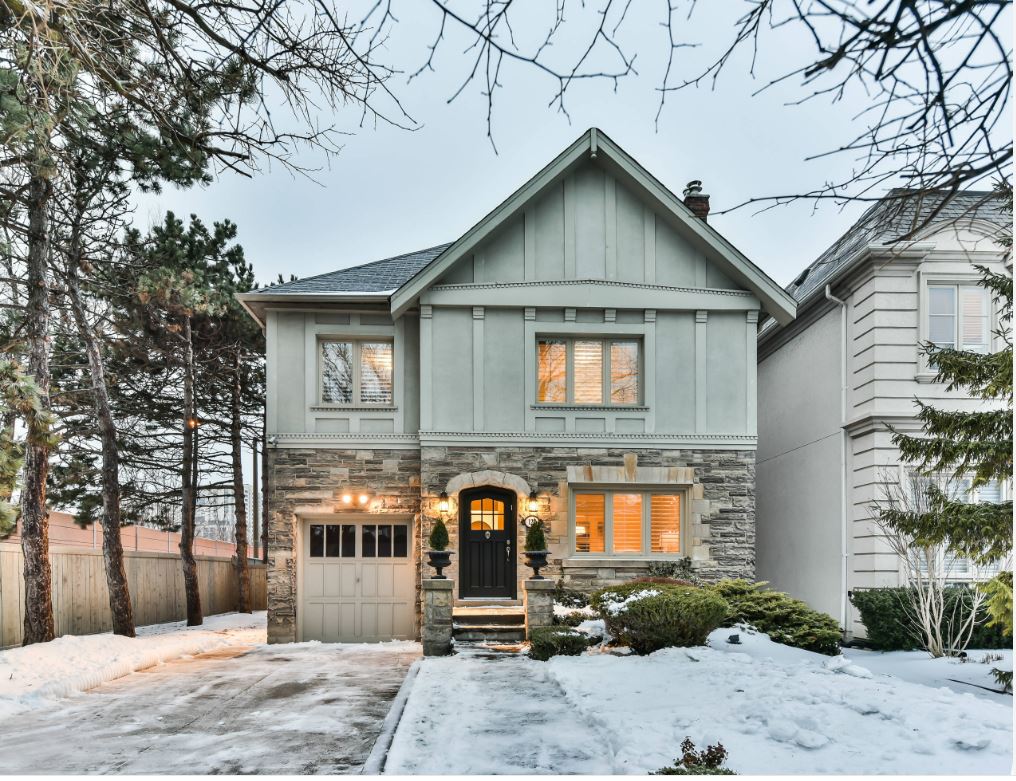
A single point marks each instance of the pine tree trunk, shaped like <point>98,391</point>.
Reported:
<point>239,500</point>
<point>38,625</point>
<point>188,484</point>
<point>255,501</point>
<point>112,545</point>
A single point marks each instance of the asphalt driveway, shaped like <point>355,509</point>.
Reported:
<point>287,709</point>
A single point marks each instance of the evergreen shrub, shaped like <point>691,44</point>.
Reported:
<point>548,641</point>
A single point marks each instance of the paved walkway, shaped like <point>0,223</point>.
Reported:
<point>505,715</point>
<point>297,709</point>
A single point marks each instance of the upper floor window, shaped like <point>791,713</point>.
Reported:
<point>588,371</point>
<point>356,371</point>
<point>958,317</point>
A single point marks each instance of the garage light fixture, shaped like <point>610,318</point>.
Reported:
<point>347,498</point>
<point>363,498</point>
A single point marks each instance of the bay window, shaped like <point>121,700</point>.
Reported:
<point>624,522</point>
<point>356,371</point>
<point>595,372</point>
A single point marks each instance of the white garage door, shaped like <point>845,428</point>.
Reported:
<point>358,583</point>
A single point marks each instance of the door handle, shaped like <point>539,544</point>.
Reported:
<point>508,551</point>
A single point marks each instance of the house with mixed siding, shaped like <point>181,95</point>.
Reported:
<point>584,355</point>
<point>833,382</point>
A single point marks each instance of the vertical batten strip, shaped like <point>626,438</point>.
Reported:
<point>426,367</point>
<point>649,245</point>
<point>529,244</point>
<point>701,345</point>
<point>647,371</point>
<point>610,224</point>
<point>569,227</point>
<point>478,344</point>
<point>751,361</point>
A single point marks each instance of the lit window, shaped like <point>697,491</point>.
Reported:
<point>486,515</point>
<point>596,372</point>
<point>626,522</point>
<point>356,372</point>
<point>958,317</point>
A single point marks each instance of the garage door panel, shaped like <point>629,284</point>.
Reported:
<point>368,597</point>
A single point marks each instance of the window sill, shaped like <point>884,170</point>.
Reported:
<point>352,408</point>
<point>925,378</point>
<point>588,408</point>
<point>618,560</point>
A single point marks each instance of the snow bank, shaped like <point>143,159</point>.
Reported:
<point>36,674</point>
<point>781,710</point>
<point>970,677</point>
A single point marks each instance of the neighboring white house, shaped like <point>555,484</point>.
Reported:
<point>833,381</point>
<point>584,354</point>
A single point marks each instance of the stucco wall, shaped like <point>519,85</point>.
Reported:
<point>799,529</point>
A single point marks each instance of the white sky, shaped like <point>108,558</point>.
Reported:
<point>391,191</point>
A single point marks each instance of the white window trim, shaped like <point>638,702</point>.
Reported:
<point>608,522</point>
<point>925,373</point>
<point>355,403</point>
<point>569,372</point>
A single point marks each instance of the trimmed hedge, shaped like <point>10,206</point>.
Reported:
<point>666,616</point>
<point>548,641</point>
<point>785,619</point>
<point>889,627</point>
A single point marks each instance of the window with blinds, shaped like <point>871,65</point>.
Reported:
<point>356,372</point>
<point>597,372</point>
<point>628,523</point>
<point>959,317</point>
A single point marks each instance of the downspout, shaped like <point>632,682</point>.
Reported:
<point>843,456</point>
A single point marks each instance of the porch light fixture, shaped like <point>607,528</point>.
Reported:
<point>442,502</point>
<point>533,502</point>
<point>347,498</point>
<point>193,423</point>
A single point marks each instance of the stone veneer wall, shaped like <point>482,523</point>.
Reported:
<point>721,510</point>
<point>312,480</point>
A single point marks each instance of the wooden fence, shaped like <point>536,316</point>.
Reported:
<point>81,599</point>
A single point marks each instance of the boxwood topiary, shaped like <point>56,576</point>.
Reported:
<point>536,540</point>
<point>650,616</point>
<point>889,627</point>
<point>548,641</point>
<point>785,619</point>
<point>438,536</point>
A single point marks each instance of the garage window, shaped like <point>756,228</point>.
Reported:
<point>332,540</point>
<point>384,541</point>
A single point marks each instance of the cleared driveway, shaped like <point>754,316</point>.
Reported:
<point>287,709</point>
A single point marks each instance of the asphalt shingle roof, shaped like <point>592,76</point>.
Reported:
<point>379,276</point>
<point>892,219</point>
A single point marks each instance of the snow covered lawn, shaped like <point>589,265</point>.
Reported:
<point>776,709</point>
<point>33,676</point>
<point>227,703</point>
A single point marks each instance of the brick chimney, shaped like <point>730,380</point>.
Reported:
<point>696,200</point>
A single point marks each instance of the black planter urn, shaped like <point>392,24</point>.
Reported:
<point>439,559</point>
<point>537,559</point>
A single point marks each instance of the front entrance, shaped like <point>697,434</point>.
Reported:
<point>487,543</point>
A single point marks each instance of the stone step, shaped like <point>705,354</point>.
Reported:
<point>489,633</point>
<point>475,616</point>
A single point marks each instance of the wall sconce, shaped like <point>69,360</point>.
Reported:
<point>347,498</point>
<point>193,423</point>
<point>442,503</point>
<point>532,503</point>
<point>363,499</point>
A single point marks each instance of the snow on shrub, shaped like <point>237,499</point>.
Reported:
<point>548,641</point>
<point>785,619</point>
<point>648,617</point>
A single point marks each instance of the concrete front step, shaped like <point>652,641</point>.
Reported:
<point>488,633</point>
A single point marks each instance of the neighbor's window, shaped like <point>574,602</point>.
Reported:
<point>587,371</point>
<point>625,522</point>
<point>356,372</point>
<point>958,317</point>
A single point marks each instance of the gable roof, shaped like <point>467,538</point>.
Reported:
<point>890,220</point>
<point>404,277</point>
<point>594,144</point>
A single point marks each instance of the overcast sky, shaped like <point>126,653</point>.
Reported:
<point>391,190</point>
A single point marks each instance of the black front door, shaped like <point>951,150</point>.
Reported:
<point>487,543</point>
